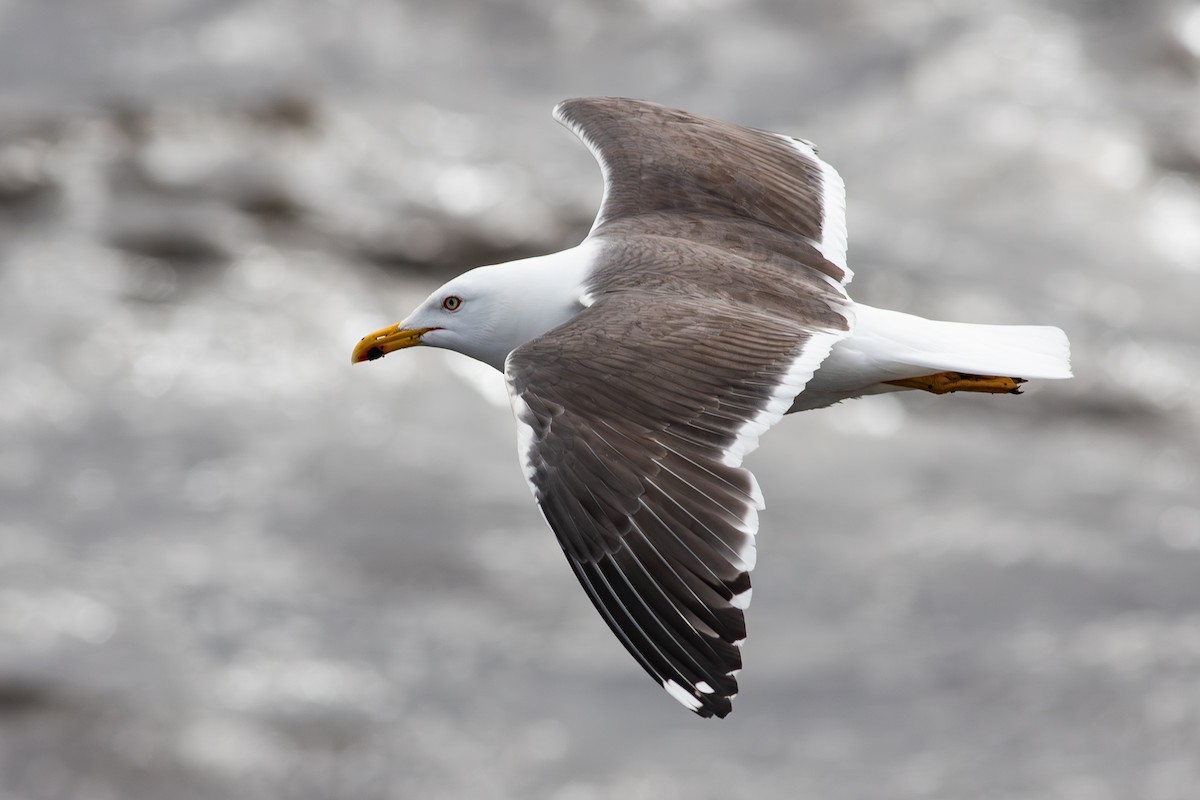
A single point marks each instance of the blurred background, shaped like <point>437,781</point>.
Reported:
<point>233,566</point>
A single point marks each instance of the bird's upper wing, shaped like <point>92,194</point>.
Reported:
<point>633,419</point>
<point>770,191</point>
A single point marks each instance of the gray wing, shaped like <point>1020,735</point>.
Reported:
<point>768,191</point>
<point>633,419</point>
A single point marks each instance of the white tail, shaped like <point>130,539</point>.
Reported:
<point>886,346</point>
<point>903,341</point>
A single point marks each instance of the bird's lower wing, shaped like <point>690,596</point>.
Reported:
<point>633,420</point>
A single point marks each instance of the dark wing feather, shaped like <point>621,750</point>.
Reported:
<point>634,416</point>
<point>768,191</point>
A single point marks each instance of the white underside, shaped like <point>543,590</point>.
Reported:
<point>889,345</point>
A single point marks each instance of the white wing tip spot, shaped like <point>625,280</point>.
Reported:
<point>742,600</point>
<point>756,495</point>
<point>749,555</point>
<point>682,695</point>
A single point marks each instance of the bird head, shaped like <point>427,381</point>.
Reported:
<point>490,311</point>
<point>445,319</point>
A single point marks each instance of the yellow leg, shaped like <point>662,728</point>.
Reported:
<point>944,382</point>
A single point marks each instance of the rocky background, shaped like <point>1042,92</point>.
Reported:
<point>232,566</point>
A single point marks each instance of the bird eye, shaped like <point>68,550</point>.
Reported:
<point>452,303</point>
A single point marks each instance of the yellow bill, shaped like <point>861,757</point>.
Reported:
<point>385,340</point>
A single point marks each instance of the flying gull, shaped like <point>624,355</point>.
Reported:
<point>707,301</point>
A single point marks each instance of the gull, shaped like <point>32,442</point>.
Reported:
<point>707,301</point>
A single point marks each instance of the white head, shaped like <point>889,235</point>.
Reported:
<point>490,311</point>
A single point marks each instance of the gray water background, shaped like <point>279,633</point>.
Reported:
<point>232,566</point>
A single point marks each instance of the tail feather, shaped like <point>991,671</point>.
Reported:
<point>905,341</point>
<point>887,347</point>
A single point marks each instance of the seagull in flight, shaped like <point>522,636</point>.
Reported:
<point>707,301</point>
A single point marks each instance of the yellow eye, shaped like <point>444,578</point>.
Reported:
<point>452,303</point>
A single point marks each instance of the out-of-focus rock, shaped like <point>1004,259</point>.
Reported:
<point>188,235</point>
<point>27,174</point>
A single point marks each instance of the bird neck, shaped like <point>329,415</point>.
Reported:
<point>532,296</point>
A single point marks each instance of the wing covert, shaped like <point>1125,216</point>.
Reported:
<point>656,159</point>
